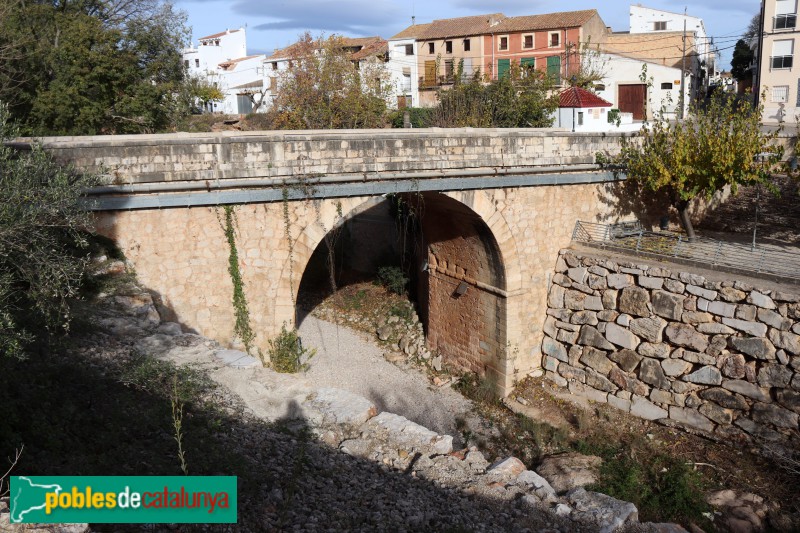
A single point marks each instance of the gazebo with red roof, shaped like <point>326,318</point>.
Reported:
<point>582,110</point>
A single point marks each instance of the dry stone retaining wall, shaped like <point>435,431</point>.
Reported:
<point>722,358</point>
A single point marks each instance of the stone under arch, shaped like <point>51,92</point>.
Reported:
<point>467,243</point>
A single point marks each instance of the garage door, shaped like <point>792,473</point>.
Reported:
<point>631,100</point>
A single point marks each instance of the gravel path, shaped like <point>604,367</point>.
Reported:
<point>348,360</point>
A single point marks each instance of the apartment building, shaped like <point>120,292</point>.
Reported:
<point>488,45</point>
<point>550,42</point>
<point>778,76</point>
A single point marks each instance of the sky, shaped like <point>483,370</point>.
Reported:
<point>274,24</point>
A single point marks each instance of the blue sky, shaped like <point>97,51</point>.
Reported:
<point>276,23</point>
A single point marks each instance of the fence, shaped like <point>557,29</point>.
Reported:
<point>701,251</point>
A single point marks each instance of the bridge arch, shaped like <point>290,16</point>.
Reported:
<point>467,242</point>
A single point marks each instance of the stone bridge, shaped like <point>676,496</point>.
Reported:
<point>477,216</point>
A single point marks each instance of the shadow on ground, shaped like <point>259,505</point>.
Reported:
<point>102,410</point>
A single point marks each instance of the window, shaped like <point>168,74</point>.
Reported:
<point>785,22</point>
<point>666,86</point>
<point>430,74</point>
<point>197,63</point>
<point>448,70</point>
<point>580,118</point>
<point>527,64</point>
<point>503,66</point>
<point>431,48</point>
<point>555,39</point>
<point>466,45</point>
<point>661,25</point>
<point>448,47</point>
<point>554,69</point>
<point>780,94</point>
<point>406,82</point>
<point>785,15</point>
<point>782,53</point>
<point>186,63</point>
<point>274,65</point>
<point>409,49</point>
<point>600,87</point>
<point>503,44</point>
<point>527,41</point>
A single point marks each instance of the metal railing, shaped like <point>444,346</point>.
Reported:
<point>784,22</point>
<point>701,250</point>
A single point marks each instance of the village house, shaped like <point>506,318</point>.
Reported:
<point>551,42</point>
<point>221,59</point>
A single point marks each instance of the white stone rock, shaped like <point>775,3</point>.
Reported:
<point>620,336</point>
<point>760,300</point>
<point>756,329</point>
<point>646,409</point>
<point>700,291</point>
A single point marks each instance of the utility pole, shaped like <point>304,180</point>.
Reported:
<point>757,89</point>
<point>683,67</point>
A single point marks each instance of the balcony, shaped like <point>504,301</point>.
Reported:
<point>784,22</point>
<point>781,62</point>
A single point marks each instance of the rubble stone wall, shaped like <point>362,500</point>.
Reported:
<point>722,358</point>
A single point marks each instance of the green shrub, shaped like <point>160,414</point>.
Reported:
<point>286,352</point>
<point>43,243</point>
<point>393,279</point>
<point>662,487</point>
<point>420,117</point>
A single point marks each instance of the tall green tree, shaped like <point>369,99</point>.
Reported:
<point>742,58</point>
<point>521,98</point>
<point>718,145</point>
<point>92,66</point>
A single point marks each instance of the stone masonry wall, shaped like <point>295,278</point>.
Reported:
<point>287,154</point>
<point>722,358</point>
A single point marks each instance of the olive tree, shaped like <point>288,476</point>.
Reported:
<point>719,144</point>
<point>43,236</point>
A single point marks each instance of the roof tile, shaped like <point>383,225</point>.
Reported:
<point>563,19</point>
<point>577,97</point>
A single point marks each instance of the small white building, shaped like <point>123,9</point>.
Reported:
<point>222,60</point>
<point>404,72</point>
<point>583,110</point>
<point>624,87</point>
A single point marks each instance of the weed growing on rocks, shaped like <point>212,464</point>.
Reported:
<point>393,278</point>
<point>286,352</point>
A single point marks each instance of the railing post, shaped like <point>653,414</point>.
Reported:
<point>716,254</point>
<point>639,241</point>
<point>761,260</point>
<point>678,245</point>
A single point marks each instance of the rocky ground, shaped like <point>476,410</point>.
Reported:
<point>340,448</point>
<point>309,457</point>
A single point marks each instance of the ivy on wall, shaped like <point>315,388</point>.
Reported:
<point>242,328</point>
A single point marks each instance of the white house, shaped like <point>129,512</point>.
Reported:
<point>582,110</point>
<point>404,72</point>
<point>222,59</point>
<point>648,20</point>
<point>404,65</point>
<point>622,80</point>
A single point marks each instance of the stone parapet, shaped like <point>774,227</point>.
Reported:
<point>721,358</point>
<point>132,159</point>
